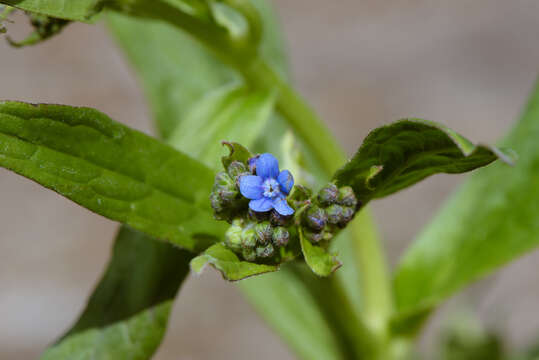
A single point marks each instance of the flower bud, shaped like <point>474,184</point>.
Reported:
<point>316,218</point>
<point>347,197</point>
<point>313,236</point>
<point>248,237</point>
<point>233,236</point>
<point>263,232</point>
<point>299,195</point>
<point>236,168</point>
<point>328,195</point>
<point>265,251</point>
<point>257,216</point>
<point>348,214</point>
<point>252,163</point>
<point>280,236</point>
<point>278,219</point>
<point>249,254</point>
<point>335,214</point>
<point>216,203</point>
<point>222,180</point>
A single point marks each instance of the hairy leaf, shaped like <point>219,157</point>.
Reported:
<point>321,262</point>
<point>110,169</point>
<point>399,155</point>
<point>489,221</point>
<point>224,260</point>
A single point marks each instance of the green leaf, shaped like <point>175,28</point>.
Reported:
<point>232,113</point>
<point>175,71</point>
<point>136,338</point>
<point>489,221</point>
<point>230,266</point>
<point>399,155</point>
<point>110,169</point>
<point>79,10</point>
<point>321,262</point>
<point>237,152</point>
<point>126,298</point>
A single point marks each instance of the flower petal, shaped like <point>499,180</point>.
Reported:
<point>282,207</point>
<point>261,205</point>
<point>251,186</point>
<point>286,180</point>
<point>267,166</point>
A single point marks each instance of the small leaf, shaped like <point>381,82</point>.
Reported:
<point>399,155</point>
<point>320,261</point>
<point>237,153</point>
<point>108,168</point>
<point>230,266</point>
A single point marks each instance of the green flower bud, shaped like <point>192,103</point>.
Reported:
<point>328,195</point>
<point>265,251</point>
<point>347,197</point>
<point>248,237</point>
<point>314,237</point>
<point>316,218</point>
<point>249,254</point>
<point>263,232</point>
<point>233,236</point>
<point>335,214</point>
<point>280,236</point>
<point>222,180</point>
<point>236,169</point>
<point>216,203</point>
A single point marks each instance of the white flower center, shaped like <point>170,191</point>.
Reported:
<point>271,188</point>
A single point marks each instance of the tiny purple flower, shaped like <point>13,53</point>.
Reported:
<point>268,188</point>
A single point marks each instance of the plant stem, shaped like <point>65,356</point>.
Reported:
<point>375,284</point>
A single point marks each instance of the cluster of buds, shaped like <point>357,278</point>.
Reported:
<point>226,200</point>
<point>331,210</point>
<point>257,241</point>
<point>264,208</point>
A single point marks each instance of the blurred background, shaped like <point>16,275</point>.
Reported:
<point>361,64</point>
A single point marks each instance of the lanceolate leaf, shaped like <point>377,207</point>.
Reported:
<point>228,264</point>
<point>399,155</point>
<point>321,262</point>
<point>127,314</point>
<point>110,169</point>
<point>489,221</point>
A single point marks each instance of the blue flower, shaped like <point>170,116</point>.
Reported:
<point>268,188</point>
